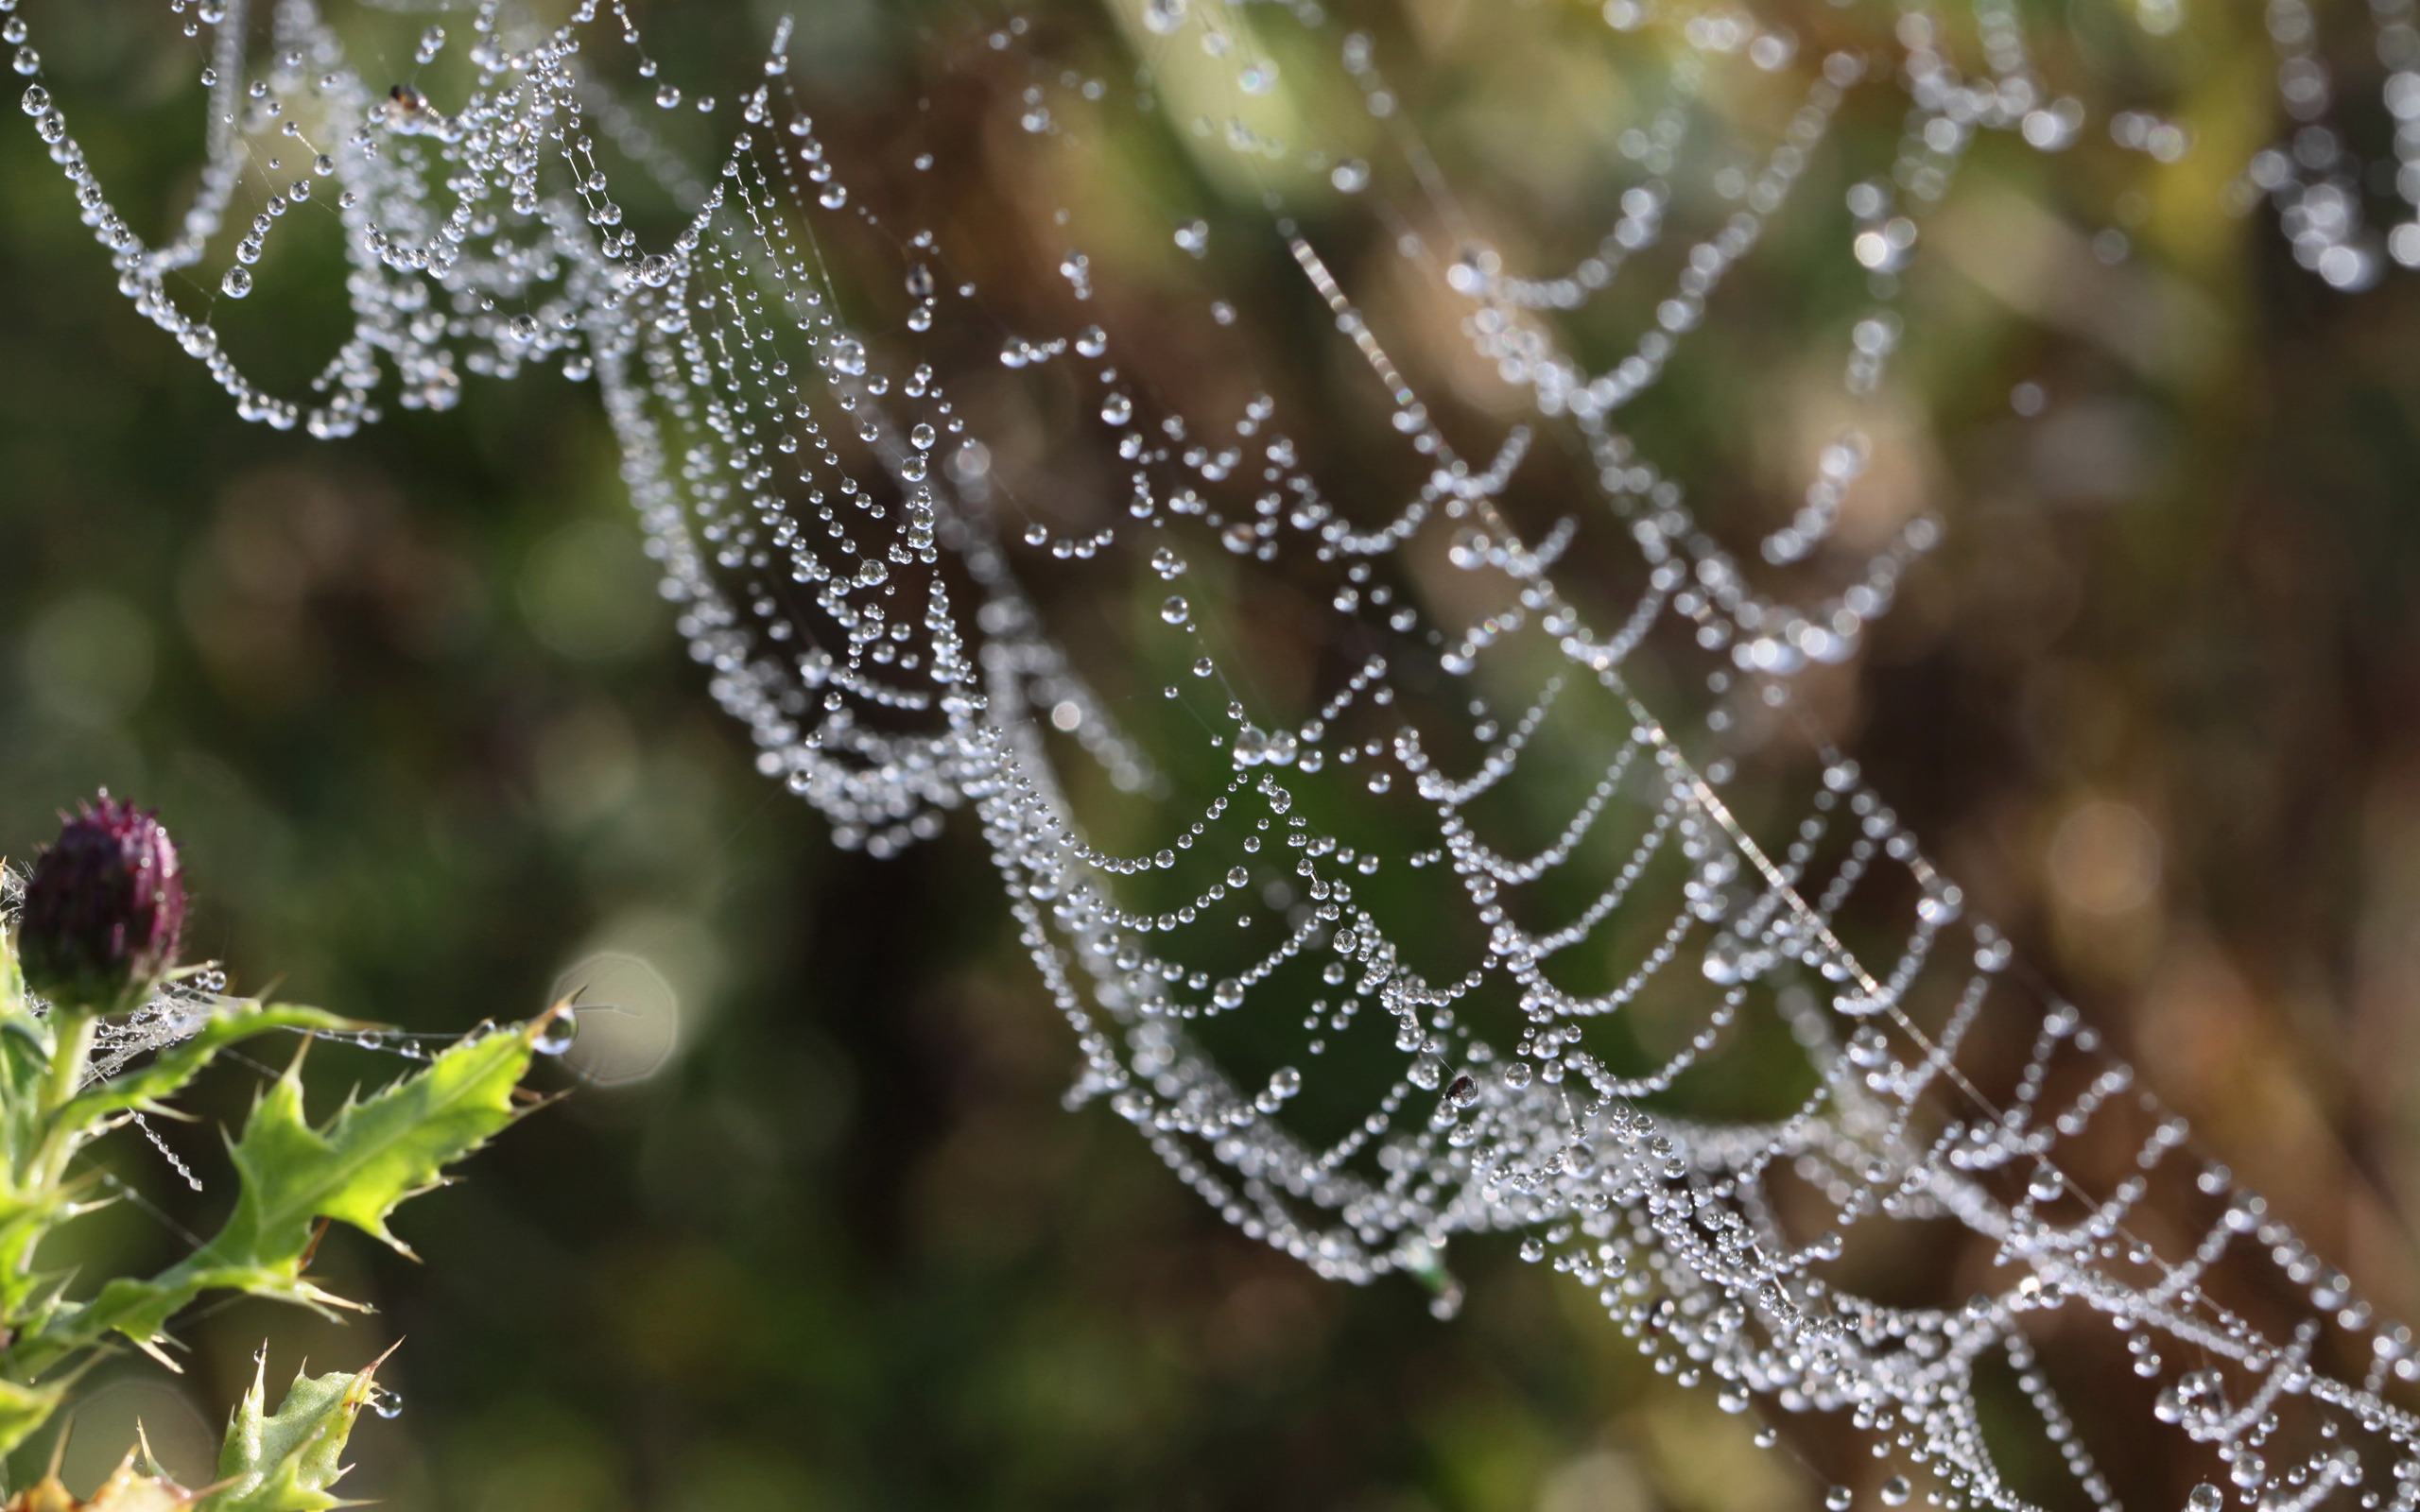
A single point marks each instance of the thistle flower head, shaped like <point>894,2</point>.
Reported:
<point>104,910</point>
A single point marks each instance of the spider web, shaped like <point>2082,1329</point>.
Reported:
<point>1702,1023</point>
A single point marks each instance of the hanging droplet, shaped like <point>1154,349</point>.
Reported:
<point>1533,1249</point>
<point>667,97</point>
<point>920,281</point>
<point>432,42</point>
<point>523,327</point>
<point>1838,1499</point>
<point>923,436</point>
<point>1202,667</point>
<point>236,284</point>
<point>1166,562</point>
<point>35,100</point>
<point>1176,610</point>
<point>1896,1491</point>
<point>1518,1074</point>
<point>1116,409</point>
<point>1161,17</point>
<point>2204,1498</point>
<point>557,1034</point>
<point>2046,1184</point>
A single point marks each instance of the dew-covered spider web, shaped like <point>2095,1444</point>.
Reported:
<point>1400,737</point>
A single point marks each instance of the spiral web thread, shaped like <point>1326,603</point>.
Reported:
<point>1720,884</point>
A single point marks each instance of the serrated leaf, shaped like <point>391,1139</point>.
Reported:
<point>22,1409</point>
<point>285,1462</point>
<point>371,1157</point>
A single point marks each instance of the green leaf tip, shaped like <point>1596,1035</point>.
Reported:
<point>285,1461</point>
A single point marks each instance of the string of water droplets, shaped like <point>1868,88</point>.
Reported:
<point>846,557</point>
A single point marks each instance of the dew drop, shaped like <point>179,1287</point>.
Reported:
<point>1896,1491</point>
<point>1202,667</point>
<point>1176,610</point>
<point>1163,17</point>
<point>557,1035</point>
<point>236,284</point>
<point>1116,409</point>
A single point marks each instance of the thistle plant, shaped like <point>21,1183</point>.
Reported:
<point>94,946</point>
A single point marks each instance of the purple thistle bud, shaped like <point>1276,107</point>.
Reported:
<point>104,910</point>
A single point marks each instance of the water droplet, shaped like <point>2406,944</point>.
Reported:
<point>923,436</point>
<point>667,97</point>
<point>871,572</point>
<point>655,271</point>
<point>2046,1184</point>
<point>920,281</point>
<point>848,357</point>
<point>1350,178</point>
<point>236,284</point>
<point>1518,1074</point>
<point>1092,341</point>
<point>1176,610</point>
<point>1463,1094</point>
<point>1838,1499</point>
<point>1166,562</point>
<point>1237,876</point>
<point>1533,1249</point>
<point>35,100</point>
<point>1202,667</point>
<point>1228,993</point>
<point>2204,1498</point>
<point>524,327</point>
<point>1116,409</point>
<point>431,43</point>
<point>1161,17</point>
<point>1896,1491</point>
<point>1285,1081</point>
<point>557,1035</point>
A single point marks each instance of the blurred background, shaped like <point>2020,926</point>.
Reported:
<point>819,1234</point>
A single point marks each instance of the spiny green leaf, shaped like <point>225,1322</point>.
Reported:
<point>285,1462</point>
<point>371,1157</point>
<point>22,1409</point>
